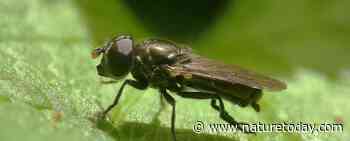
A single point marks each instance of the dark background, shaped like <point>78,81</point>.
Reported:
<point>270,36</point>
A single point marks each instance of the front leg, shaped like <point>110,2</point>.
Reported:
<point>136,84</point>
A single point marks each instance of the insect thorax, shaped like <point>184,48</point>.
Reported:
<point>150,58</point>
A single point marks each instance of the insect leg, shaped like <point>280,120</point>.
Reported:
<point>257,94</point>
<point>172,102</point>
<point>162,107</point>
<point>220,108</point>
<point>133,83</point>
<point>225,116</point>
<point>213,104</point>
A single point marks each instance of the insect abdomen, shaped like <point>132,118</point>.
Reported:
<point>238,94</point>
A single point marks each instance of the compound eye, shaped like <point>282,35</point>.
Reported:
<point>124,45</point>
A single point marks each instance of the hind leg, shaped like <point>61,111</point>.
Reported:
<point>255,97</point>
<point>220,108</point>
<point>225,116</point>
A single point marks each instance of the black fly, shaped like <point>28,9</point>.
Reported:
<point>170,67</point>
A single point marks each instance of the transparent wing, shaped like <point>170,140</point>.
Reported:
<point>212,70</point>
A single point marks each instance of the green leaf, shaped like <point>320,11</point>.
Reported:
<point>49,89</point>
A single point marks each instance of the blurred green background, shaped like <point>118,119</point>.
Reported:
<point>49,89</point>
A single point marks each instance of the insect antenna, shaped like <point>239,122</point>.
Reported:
<point>97,52</point>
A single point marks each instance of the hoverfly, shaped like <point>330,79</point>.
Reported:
<point>171,67</point>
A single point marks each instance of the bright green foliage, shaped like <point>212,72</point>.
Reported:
<point>49,89</point>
